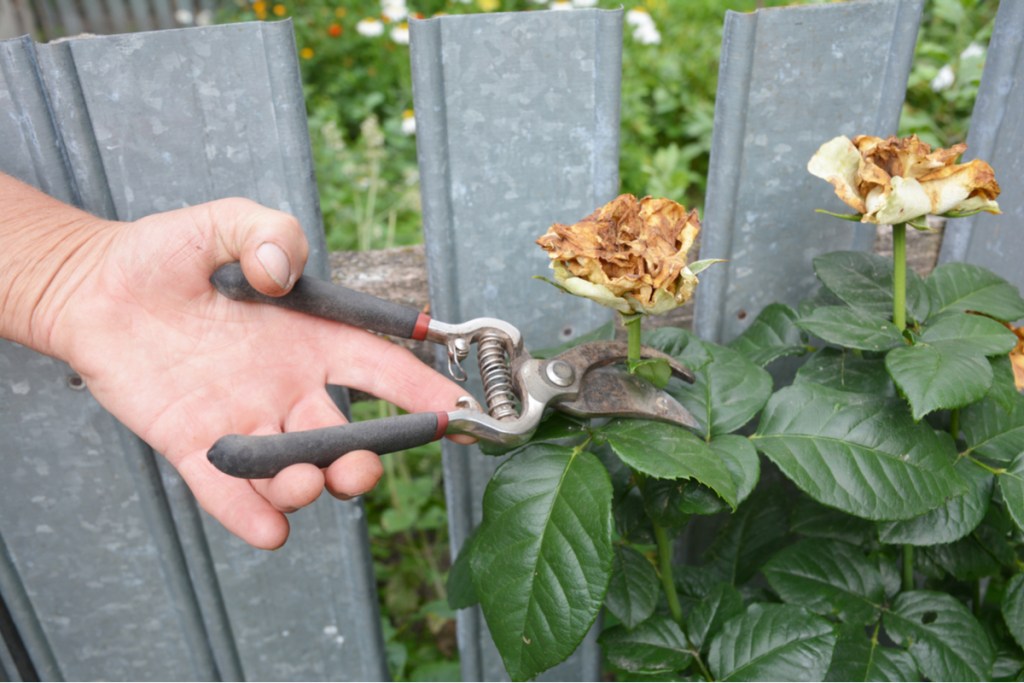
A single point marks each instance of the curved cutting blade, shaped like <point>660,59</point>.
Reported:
<point>611,392</point>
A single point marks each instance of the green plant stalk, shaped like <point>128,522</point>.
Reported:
<point>634,344</point>
<point>899,318</point>
<point>665,572</point>
<point>899,276</point>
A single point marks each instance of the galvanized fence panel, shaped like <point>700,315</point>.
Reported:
<point>997,135</point>
<point>517,127</point>
<point>109,570</point>
<point>790,79</point>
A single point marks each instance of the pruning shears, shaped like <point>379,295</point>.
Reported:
<point>518,388</point>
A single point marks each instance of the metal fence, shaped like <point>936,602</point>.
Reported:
<point>50,19</point>
<point>107,568</point>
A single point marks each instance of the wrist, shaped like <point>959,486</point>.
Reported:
<point>48,251</point>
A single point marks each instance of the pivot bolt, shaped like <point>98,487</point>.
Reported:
<point>559,373</point>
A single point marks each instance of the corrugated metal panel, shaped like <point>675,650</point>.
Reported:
<point>517,127</point>
<point>790,79</point>
<point>108,568</point>
<point>997,136</point>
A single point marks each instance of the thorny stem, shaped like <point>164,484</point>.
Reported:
<point>899,275</point>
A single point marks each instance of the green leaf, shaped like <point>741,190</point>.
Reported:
<point>856,658</point>
<point>992,431</point>
<point>965,287</point>
<point>852,328</point>
<point>729,389</point>
<point>860,453</point>
<point>1011,484</point>
<point>668,452</point>
<point>722,603</point>
<point>460,587</point>
<point>1013,608</point>
<point>740,457</point>
<point>943,637</point>
<point>976,332</point>
<point>634,587</point>
<point>828,578</point>
<point>864,280</point>
<point>655,646</point>
<point>847,371</point>
<point>657,371</point>
<point>939,375</point>
<point>542,559</point>
<point>950,522</point>
<point>703,264</point>
<point>772,643</point>
<point>773,335</point>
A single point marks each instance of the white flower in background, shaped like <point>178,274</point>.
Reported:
<point>971,51</point>
<point>400,34</point>
<point>645,31</point>
<point>539,2</point>
<point>408,122</point>
<point>183,17</point>
<point>584,3</point>
<point>394,10</point>
<point>370,27</point>
<point>944,79</point>
<point>204,18</point>
<point>561,5</point>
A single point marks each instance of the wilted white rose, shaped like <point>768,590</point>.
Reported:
<point>896,180</point>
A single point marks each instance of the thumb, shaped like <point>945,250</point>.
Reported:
<point>268,243</point>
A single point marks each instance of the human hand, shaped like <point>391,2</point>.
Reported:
<point>181,365</point>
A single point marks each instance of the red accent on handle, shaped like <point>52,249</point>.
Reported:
<point>419,331</point>
<point>442,425</point>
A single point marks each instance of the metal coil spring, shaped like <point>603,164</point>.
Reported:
<point>497,377</point>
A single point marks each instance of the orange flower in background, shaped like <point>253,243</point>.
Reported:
<point>897,180</point>
<point>280,10</point>
<point>306,53</point>
<point>334,30</point>
<point>630,254</point>
<point>259,8</point>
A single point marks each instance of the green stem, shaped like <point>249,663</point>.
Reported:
<point>665,572</point>
<point>633,338</point>
<point>954,423</point>
<point>899,276</point>
<point>908,567</point>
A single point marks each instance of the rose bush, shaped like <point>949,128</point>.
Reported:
<point>865,522</point>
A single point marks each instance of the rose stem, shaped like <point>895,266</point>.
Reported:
<point>899,275</point>
<point>633,336</point>
<point>899,318</point>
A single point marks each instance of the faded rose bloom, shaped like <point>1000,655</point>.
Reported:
<point>629,255</point>
<point>898,180</point>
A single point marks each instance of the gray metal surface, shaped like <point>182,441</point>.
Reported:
<point>789,80</point>
<point>107,567</point>
<point>517,127</point>
<point>997,136</point>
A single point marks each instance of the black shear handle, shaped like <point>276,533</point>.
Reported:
<point>327,300</point>
<point>260,457</point>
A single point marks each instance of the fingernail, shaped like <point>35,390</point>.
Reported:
<point>275,262</point>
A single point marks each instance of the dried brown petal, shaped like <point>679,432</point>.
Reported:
<point>635,249</point>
